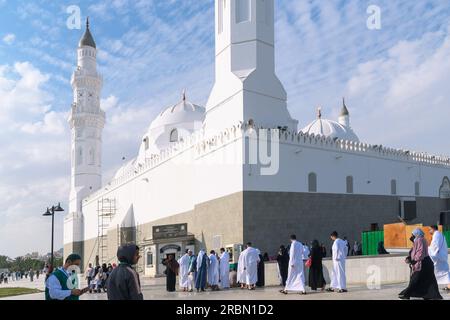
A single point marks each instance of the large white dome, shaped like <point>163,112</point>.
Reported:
<point>182,112</point>
<point>330,129</point>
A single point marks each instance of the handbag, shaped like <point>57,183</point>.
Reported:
<point>308,263</point>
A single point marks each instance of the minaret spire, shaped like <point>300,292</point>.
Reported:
<point>86,121</point>
<point>344,111</point>
<point>344,116</point>
<point>319,113</point>
<point>87,39</point>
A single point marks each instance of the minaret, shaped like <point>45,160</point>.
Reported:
<point>344,116</point>
<point>246,86</point>
<point>86,123</point>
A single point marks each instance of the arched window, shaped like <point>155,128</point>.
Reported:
<point>91,157</point>
<point>393,187</point>
<point>417,188</point>
<point>80,156</point>
<point>349,184</point>
<point>312,182</point>
<point>174,135</point>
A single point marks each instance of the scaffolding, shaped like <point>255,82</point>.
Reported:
<point>106,210</point>
<point>140,267</point>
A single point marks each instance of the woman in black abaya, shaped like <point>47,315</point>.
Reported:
<point>422,283</point>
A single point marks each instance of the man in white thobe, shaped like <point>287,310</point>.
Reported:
<point>213,271</point>
<point>241,270</point>
<point>438,252</point>
<point>339,250</point>
<point>251,259</point>
<point>192,271</point>
<point>184,271</point>
<point>224,267</point>
<point>296,277</point>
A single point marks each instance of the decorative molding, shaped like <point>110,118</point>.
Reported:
<point>203,145</point>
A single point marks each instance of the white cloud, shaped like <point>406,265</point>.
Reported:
<point>9,38</point>
<point>21,94</point>
<point>109,103</point>
<point>34,160</point>
<point>405,95</point>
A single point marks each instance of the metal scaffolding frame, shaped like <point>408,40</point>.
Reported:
<point>140,267</point>
<point>106,210</point>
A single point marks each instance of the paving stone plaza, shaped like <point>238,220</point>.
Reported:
<point>154,289</point>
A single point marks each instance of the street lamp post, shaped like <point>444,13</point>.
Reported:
<point>51,212</point>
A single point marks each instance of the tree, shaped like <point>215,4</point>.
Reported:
<point>4,262</point>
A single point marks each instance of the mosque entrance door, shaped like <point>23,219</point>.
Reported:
<point>166,240</point>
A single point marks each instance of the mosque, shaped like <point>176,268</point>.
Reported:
<point>204,177</point>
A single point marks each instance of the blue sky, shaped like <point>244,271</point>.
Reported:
<point>396,81</point>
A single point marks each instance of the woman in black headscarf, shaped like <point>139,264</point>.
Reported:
<point>171,272</point>
<point>316,279</point>
<point>422,283</point>
<point>261,272</point>
<point>283,264</point>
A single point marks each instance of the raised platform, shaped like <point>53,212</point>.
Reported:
<point>361,270</point>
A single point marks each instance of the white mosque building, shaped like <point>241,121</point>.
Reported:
<point>195,182</point>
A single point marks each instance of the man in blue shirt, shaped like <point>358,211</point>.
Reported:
<point>60,284</point>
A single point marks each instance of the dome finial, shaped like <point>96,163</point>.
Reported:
<point>344,111</point>
<point>184,94</point>
<point>319,113</point>
<point>87,39</point>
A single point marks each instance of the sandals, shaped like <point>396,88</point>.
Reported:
<point>329,290</point>
<point>342,291</point>
<point>283,292</point>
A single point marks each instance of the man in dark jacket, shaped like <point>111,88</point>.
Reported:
<point>123,283</point>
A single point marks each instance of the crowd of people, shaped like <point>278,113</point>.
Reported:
<point>97,277</point>
<point>9,276</point>
<point>428,265</point>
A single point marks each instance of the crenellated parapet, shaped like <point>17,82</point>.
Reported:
<point>201,146</point>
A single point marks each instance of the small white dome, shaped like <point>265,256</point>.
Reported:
<point>330,129</point>
<point>182,112</point>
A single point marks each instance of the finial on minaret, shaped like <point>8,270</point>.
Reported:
<point>344,111</point>
<point>344,117</point>
<point>87,39</point>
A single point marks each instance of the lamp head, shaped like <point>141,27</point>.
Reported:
<point>47,213</point>
<point>58,208</point>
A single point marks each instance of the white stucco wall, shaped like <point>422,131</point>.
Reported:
<point>332,166</point>
<point>173,186</point>
<point>210,170</point>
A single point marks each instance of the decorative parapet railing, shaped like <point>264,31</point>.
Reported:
<point>196,141</point>
<point>203,145</point>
